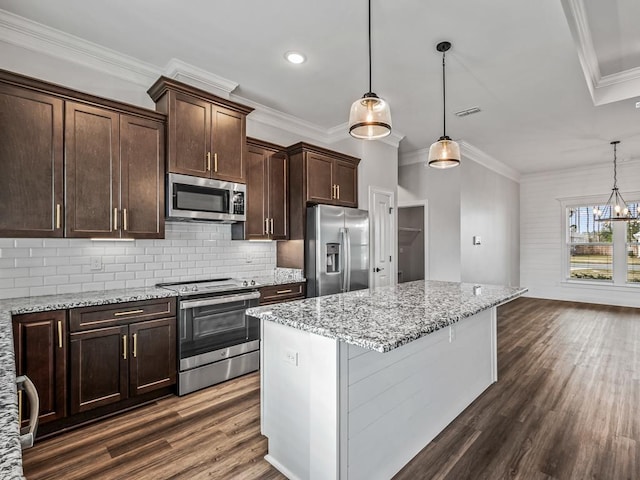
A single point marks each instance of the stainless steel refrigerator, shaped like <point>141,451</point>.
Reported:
<point>336,250</point>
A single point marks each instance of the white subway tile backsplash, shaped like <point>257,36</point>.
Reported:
<point>49,290</point>
<point>190,251</point>
<point>29,262</point>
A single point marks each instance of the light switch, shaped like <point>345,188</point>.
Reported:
<point>477,240</point>
<point>291,357</point>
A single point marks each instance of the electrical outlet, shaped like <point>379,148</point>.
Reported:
<point>96,263</point>
<point>477,240</point>
<point>249,258</point>
<point>291,357</point>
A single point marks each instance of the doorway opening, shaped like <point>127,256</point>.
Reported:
<point>411,243</point>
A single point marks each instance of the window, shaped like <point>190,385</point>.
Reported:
<point>601,251</point>
<point>590,245</point>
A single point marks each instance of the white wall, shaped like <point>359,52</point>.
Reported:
<point>463,202</point>
<point>490,208</point>
<point>442,189</point>
<point>541,228</point>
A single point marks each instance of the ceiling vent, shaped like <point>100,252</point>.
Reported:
<point>468,111</point>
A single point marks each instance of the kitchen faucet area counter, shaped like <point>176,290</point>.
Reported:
<point>354,385</point>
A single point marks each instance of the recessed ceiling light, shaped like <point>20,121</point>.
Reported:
<point>295,57</point>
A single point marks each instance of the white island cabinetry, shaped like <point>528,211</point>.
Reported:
<point>355,385</point>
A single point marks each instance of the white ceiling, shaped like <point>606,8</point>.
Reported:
<point>516,60</point>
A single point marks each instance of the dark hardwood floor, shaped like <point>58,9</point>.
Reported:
<point>565,407</point>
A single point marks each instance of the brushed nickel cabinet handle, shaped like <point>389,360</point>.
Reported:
<point>128,312</point>
<point>24,383</point>
<point>115,219</point>
<point>135,345</point>
<point>215,162</point>
<point>271,220</point>
<point>59,333</point>
<point>58,216</point>
<point>266,226</point>
<point>280,292</point>
<point>124,347</point>
<point>333,191</point>
<point>125,220</point>
<point>338,188</point>
<point>208,161</point>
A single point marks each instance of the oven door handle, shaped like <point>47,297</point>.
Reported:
<point>184,305</point>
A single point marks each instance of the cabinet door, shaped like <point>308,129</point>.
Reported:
<point>346,178</point>
<point>152,364</point>
<point>319,178</point>
<point>99,368</point>
<point>228,144</point>
<point>257,214</point>
<point>277,188</point>
<point>40,351</point>
<point>189,135</point>
<point>92,172</point>
<point>142,177</point>
<point>31,152</point>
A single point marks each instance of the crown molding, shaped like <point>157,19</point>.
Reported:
<point>199,78</point>
<point>473,153</point>
<point>36,37</point>
<point>603,89</point>
<point>468,152</point>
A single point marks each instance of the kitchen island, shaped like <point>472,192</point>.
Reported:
<point>354,385</point>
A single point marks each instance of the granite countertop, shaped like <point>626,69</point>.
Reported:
<point>10,451</point>
<point>388,317</point>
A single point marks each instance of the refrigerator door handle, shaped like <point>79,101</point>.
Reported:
<point>345,265</point>
<point>347,270</point>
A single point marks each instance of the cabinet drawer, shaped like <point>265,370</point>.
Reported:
<point>101,316</point>
<point>282,293</point>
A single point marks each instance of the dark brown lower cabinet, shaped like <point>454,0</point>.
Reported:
<point>40,342</point>
<point>153,361</point>
<point>109,365</point>
<point>99,368</point>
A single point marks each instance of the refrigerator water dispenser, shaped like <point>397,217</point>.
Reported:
<point>333,258</point>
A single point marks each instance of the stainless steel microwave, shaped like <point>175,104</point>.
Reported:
<point>196,198</point>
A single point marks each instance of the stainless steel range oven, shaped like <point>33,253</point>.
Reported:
<point>216,340</point>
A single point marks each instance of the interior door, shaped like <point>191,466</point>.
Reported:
<point>382,228</point>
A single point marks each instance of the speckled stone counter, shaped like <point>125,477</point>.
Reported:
<point>388,317</point>
<point>10,452</point>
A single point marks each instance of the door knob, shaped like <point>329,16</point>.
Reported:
<point>378,269</point>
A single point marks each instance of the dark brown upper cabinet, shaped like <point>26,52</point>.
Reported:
<point>113,167</point>
<point>114,174</point>
<point>318,175</point>
<point>31,154</point>
<point>267,215</point>
<point>206,133</point>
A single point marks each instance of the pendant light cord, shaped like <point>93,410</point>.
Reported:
<point>615,166</point>
<point>370,46</point>
<point>444,100</point>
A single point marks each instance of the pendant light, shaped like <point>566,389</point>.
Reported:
<point>616,209</point>
<point>445,153</point>
<point>370,117</point>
